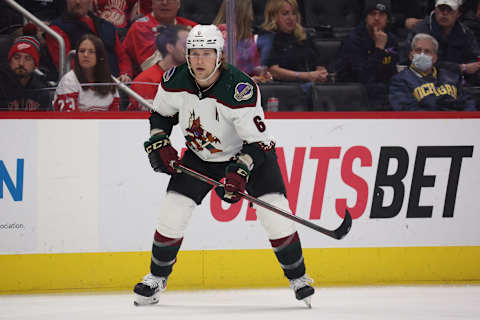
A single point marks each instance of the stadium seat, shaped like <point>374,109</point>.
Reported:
<point>328,49</point>
<point>291,96</point>
<point>258,13</point>
<point>474,92</point>
<point>202,12</point>
<point>338,13</point>
<point>341,32</point>
<point>339,97</point>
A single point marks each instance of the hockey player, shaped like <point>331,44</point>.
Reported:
<point>218,109</point>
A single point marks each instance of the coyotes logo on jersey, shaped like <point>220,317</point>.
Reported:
<point>198,139</point>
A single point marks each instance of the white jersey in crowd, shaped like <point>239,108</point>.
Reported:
<point>69,96</point>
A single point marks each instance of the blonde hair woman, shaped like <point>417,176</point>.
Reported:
<point>285,47</point>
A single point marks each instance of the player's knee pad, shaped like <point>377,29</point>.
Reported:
<point>274,224</point>
<point>175,213</point>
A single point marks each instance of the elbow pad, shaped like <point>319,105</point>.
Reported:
<point>157,121</point>
<point>257,152</point>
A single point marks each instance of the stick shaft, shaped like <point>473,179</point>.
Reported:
<point>338,233</point>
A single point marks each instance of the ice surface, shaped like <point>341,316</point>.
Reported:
<point>329,303</point>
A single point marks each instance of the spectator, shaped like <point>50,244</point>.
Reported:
<point>78,21</point>
<point>140,40</point>
<point>424,86</point>
<point>458,48</point>
<point>115,11</point>
<point>292,56</point>
<point>88,86</point>
<point>22,89</point>
<point>370,53</point>
<point>170,42</point>
<point>247,57</point>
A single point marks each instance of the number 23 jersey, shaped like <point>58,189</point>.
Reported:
<point>218,120</point>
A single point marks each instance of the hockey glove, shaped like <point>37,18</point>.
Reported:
<point>236,177</point>
<point>220,191</point>
<point>161,154</point>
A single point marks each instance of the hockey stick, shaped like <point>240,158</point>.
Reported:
<point>338,233</point>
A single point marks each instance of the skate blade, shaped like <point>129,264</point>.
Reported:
<point>144,301</point>
<point>308,302</point>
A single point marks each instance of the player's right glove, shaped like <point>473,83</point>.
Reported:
<point>236,177</point>
<point>161,154</point>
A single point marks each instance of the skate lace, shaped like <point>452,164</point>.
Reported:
<point>301,282</point>
<point>153,281</point>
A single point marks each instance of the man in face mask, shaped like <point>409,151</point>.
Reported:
<point>424,86</point>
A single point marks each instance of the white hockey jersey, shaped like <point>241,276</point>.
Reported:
<point>215,122</point>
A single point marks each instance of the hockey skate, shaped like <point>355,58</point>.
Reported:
<point>303,289</point>
<point>148,291</point>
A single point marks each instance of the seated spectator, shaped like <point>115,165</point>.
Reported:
<point>88,87</point>
<point>170,42</point>
<point>425,86</point>
<point>292,56</point>
<point>78,21</point>
<point>405,15</point>
<point>369,54</point>
<point>140,40</point>
<point>458,49</point>
<point>115,11</point>
<point>247,57</point>
<point>22,89</point>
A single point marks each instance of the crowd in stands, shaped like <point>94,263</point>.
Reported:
<point>354,55</point>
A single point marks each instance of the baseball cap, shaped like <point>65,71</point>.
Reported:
<point>380,5</point>
<point>451,3</point>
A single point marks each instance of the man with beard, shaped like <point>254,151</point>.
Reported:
<point>78,21</point>
<point>21,89</point>
<point>370,53</point>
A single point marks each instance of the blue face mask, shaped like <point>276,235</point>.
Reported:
<point>422,62</point>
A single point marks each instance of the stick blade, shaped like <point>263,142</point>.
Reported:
<point>344,228</point>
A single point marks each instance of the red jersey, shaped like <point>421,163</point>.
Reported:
<point>115,11</point>
<point>140,40</point>
<point>146,85</point>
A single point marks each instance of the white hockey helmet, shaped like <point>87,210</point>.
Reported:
<point>205,37</point>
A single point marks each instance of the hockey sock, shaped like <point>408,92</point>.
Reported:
<point>164,254</point>
<point>289,253</point>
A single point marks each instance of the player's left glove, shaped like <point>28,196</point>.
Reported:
<point>236,177</point>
